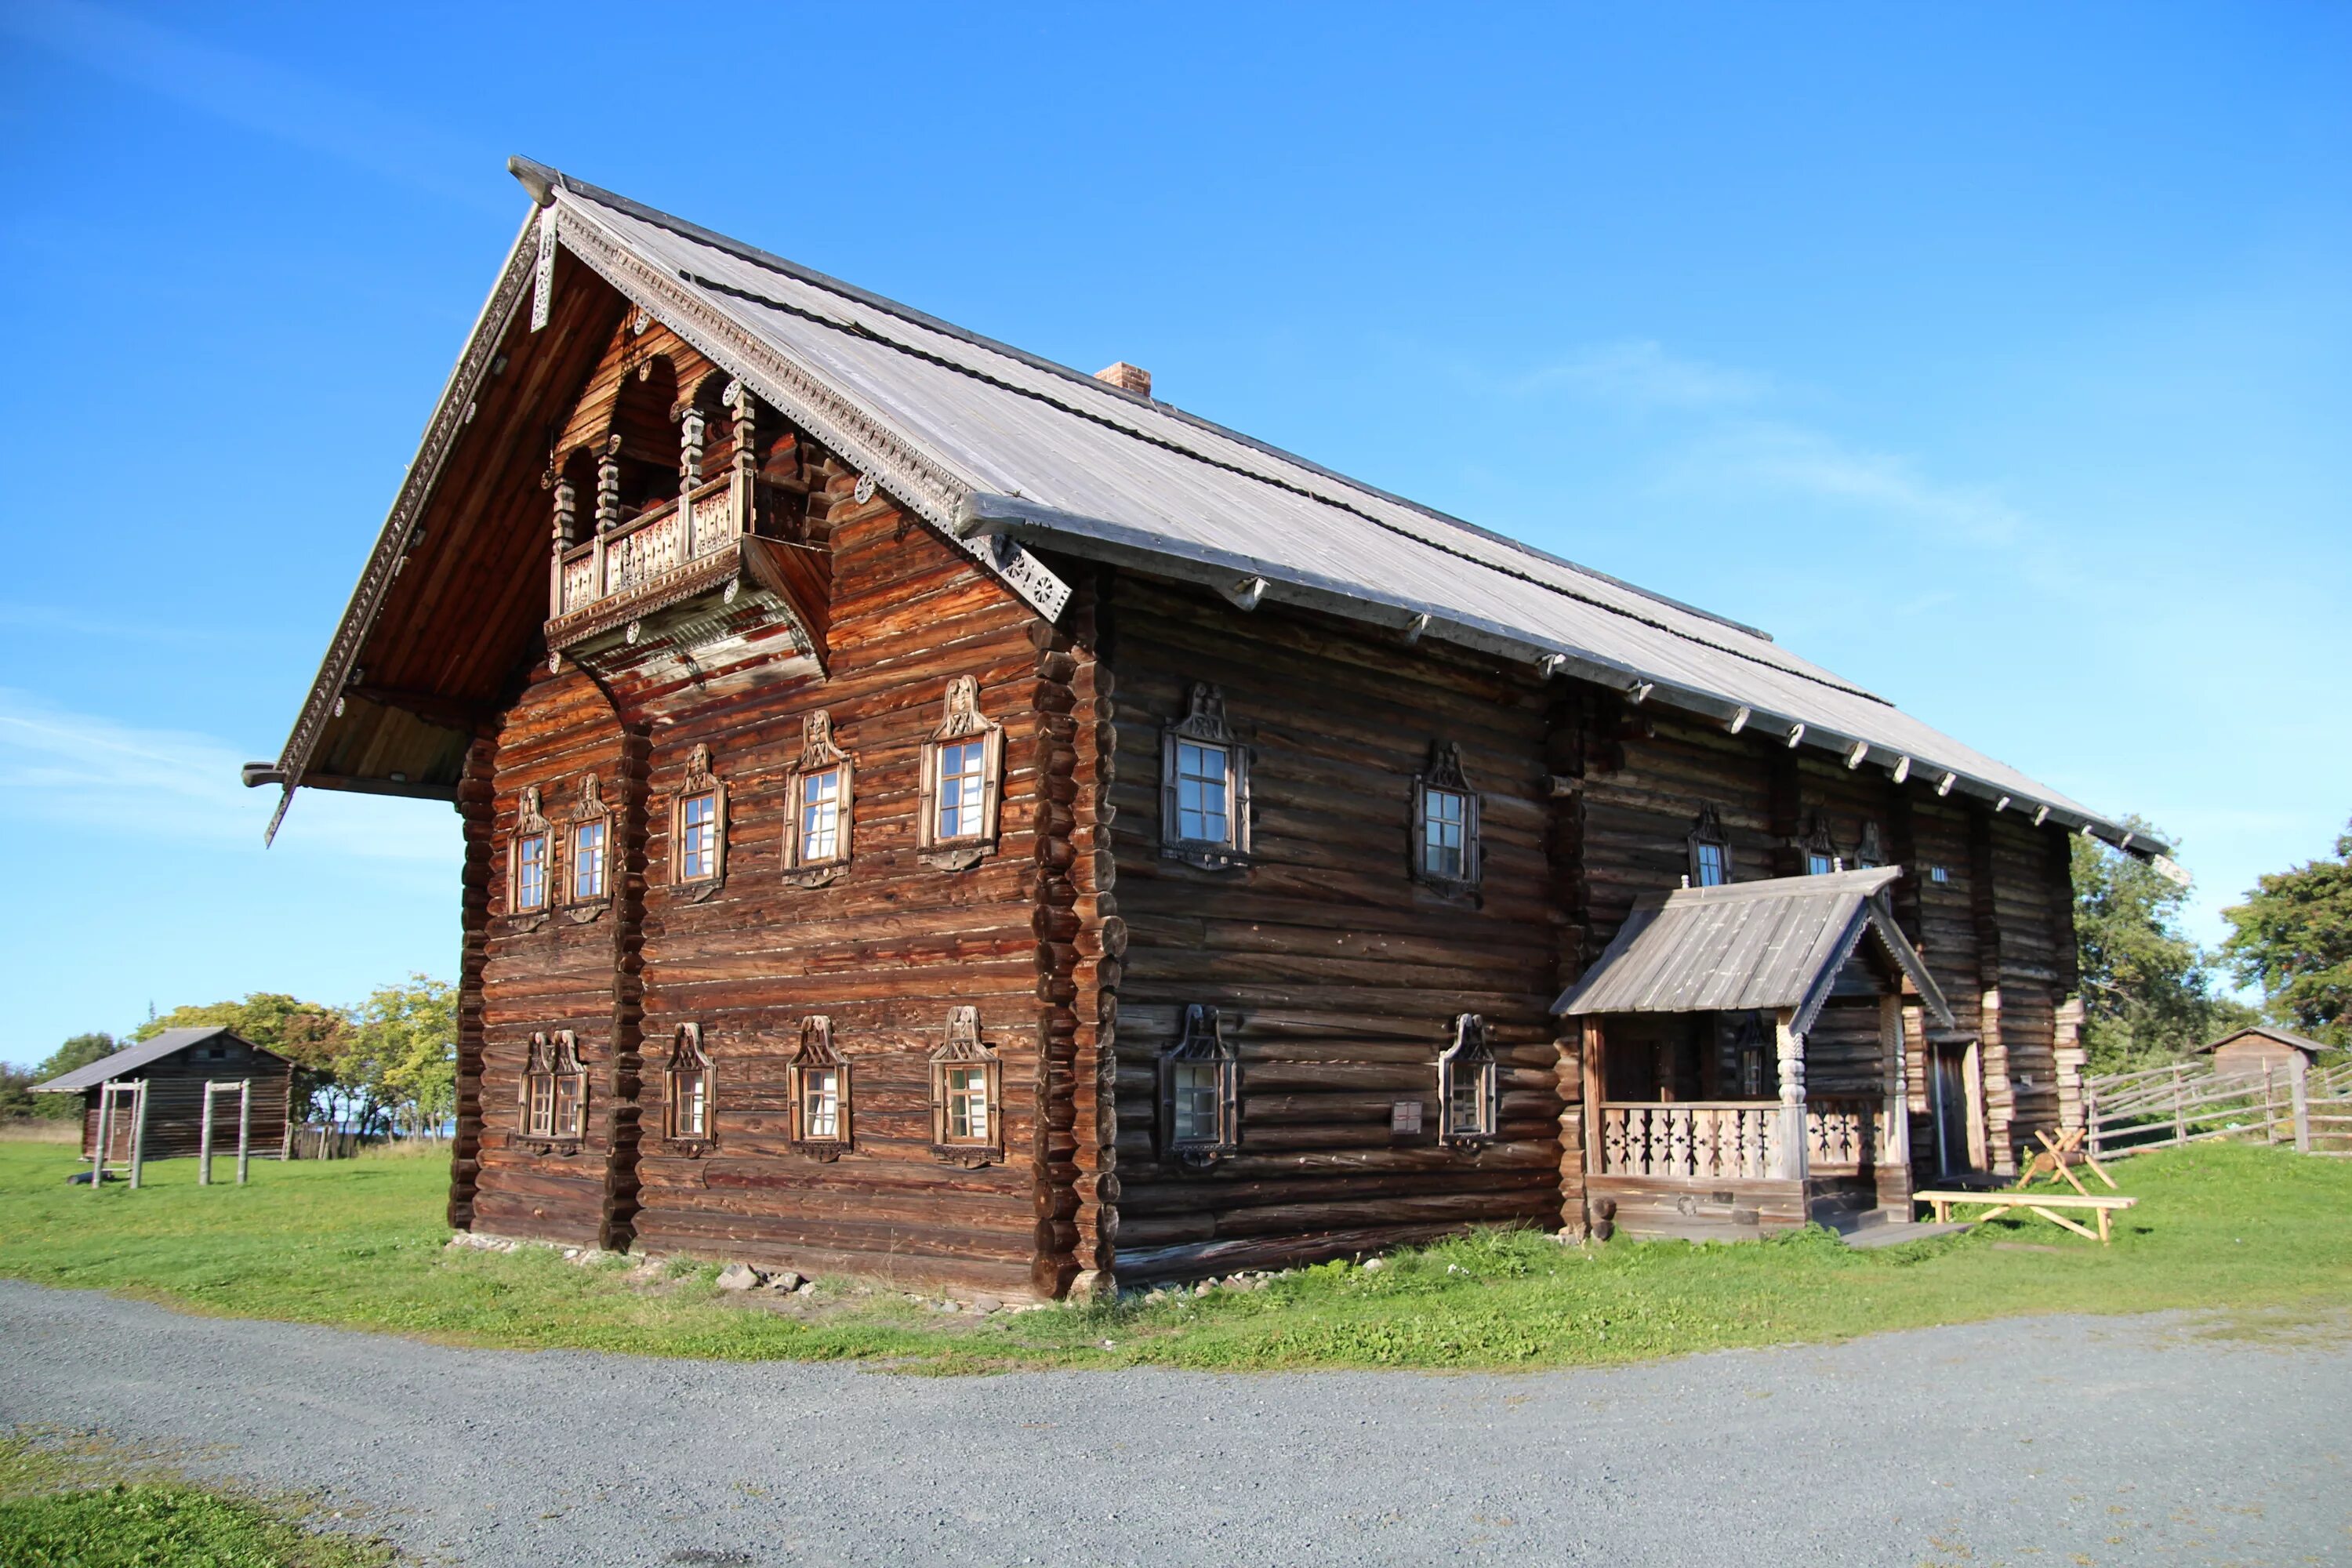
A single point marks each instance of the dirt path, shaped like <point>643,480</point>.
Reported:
<point>2121,1440</point>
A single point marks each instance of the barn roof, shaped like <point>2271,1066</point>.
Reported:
<point>1747,946</point>
<point>1002,449</point>
<point>2284,1036</point>
<point>146,1053</point>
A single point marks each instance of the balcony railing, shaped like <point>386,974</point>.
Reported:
<point>644,551</point>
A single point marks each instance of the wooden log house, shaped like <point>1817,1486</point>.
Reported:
<point>929,810</point>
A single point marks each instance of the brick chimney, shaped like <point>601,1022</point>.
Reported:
<point>1126,377</point>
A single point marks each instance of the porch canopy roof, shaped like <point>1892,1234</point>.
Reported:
<point>1749,946</point>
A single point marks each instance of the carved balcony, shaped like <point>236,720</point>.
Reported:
<point>696,546</point>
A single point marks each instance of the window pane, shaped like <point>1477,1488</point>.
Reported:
<point>693,1089</point>
<point>588,860</point>
<point>821,1102</point>
<point>821,817</point>
<point>967,1104</point>
<point>1203,795</point>
<point>960,778</point>
<point>568,1087</point>
<point>1467,1107</point>
<point>1195,1086</point>
<point>1444,835</point>
<point>698,838</point>
<point>1713,869</point>
<point>531,872</point>
<point>1820,865</point>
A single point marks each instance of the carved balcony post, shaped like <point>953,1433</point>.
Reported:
<point>608,507</point>
<point>566,518</point>
<point>747,462</point>
<point>690,431</point>
<point>1793,1138</point>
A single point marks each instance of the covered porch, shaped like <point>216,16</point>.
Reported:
<point>1741,1055</point>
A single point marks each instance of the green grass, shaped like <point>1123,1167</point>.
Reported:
<point>2260,1233</point>
<point>86,1505</point>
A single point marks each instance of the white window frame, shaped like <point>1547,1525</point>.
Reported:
<point>964,1051</point>
<point>963,723</point>
<point>689,1061</point>
<point>818,756</point>
<point>530,822</point>
<point>699,783</point>
<point>1708,831</point>
<point>1469,1058</point>
<point>1443,777</point>
<point>1201,1051</point>
<point>818,1055</point>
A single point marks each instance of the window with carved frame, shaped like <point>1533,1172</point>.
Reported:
<point>1869,853</point>
<point>698,826</point>
<point>817,806</point>
<point>1820,849</point>
<point>964,762</point>
<point>818,1080</point>
<point>967,1094</point>
<point>1710,851</point>
<point>686,1084</point>
<point>1204,802</point>
<point>554,1098</point>
<point>1200,1092</point>
<point>1468,1085</point>
<point>588,843</point>
<point>530,858</point>
<point>1446,850</point>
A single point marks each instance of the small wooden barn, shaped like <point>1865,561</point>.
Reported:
<point>175,1065</point>
<point>2259,1049</point>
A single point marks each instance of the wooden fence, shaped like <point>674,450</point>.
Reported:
<point>2166,1106</point>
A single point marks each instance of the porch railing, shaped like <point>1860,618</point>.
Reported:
<point>1737,1139</point>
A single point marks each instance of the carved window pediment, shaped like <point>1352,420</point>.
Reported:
<point>1200,1092</point>
<point>963,767</point>
<point>1869,851</point>
<point>967,1095</point>
<point>697,827</point>
<point>1205,801</point>
<point>1710,850</point>
<point>554,1093</point>
<point>817,797</point>
<point>1468,1086</point>
<point>1445,852</point>
<point>818,1079</point>
<point>1819,848</point>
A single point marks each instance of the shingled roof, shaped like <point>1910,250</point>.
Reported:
<point>1749,946</point>
<point>1002,449</point>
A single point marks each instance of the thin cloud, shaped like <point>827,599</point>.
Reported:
<point>252,93</point>
<point>1810,462</point>
<point>1642,374</point>
<point>100,776</point>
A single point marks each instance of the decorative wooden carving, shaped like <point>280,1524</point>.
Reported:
<point>958,829</point>
<point>1468,1102</point>
<point>588,832</point>
<point>1199,1092</point>
<point>1819,848</point>
<point>1444,826</point>
<point>1203,725</point>
<point>1869,852</point>
<point>818,1079</point>
<point>530,823</point>
<point>689,1103</point>
<point>699,785</point>
<point>1710,850</point>
<point>554,1094</point>
<point>967,1095</point>
<point>608,485</point>
<point>808,860</point>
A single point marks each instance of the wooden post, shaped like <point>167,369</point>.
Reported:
<point>2300,1091</point>
<point>2091,1117</point>
<point>1596,1082</point>
<point>2179,1122</point>
<point>1789,1046</point>
<point>2270,1106</point>
<point>243,1127</point>
<point>105,1130</point>
<point>137,1132</point>
<point>205,1141</point>
<point>1894,1160</point>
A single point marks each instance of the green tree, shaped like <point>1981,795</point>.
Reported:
<point>2149,992</point>
<point>307,1034</point>
<point>18,1100</point>
<point>76,1052</point>
<point>2293,936</point>
<point>397,1067</point>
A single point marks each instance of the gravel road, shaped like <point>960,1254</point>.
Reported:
<point>2123,1440</point>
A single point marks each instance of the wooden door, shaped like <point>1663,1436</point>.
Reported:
<point>119,1131</point>
<point>1950,1088</point>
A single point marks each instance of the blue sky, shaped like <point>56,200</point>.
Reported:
<point>1994,356</point>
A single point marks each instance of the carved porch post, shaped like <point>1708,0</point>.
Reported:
<point>1790,1049</point>
<point>747,462</point>
<point>608,507</point>
<point>689,474</point>
<point>1892,1165</point>
<point>565,526</point>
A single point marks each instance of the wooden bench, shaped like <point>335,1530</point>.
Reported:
<point>2046,1204</point>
